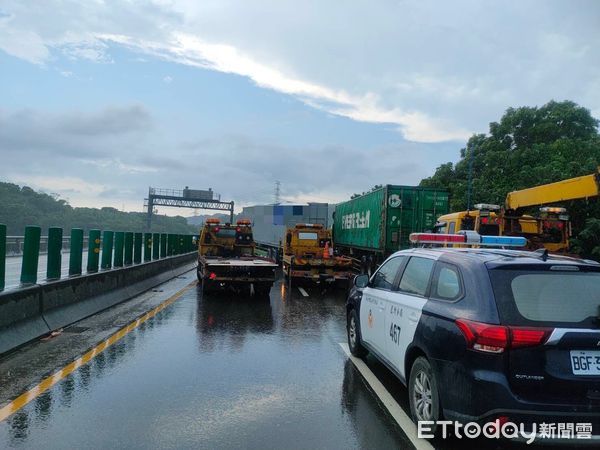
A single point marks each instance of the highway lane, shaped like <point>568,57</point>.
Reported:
<point>206,372</point>
<point>214,372</point>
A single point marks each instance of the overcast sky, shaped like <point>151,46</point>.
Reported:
<point>101,99</point>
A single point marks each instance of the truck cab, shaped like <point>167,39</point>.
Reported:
<point>308,254</point>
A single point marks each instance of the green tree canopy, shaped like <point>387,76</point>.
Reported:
<point>22,206</point>
<point>528,147</point>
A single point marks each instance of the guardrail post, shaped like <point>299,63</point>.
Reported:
<point>119,247</point>
<point>76,252</point>
<point>155,246</point>
<point>31,255</point>
<point>93,251</point>
<point>2,255</point>
<point>107,248</point>
<point>147,247</point>
<point>171,250</point>
<point>137,248</point>
<point>128,248</point>
<point>54,262</point>
<point>163,245</point>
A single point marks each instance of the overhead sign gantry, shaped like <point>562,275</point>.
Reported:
<point>186,198</point>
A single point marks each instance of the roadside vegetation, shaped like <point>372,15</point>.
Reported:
<point>530,146</point>
<point>23,206</point>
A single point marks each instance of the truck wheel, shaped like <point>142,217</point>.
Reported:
<point>354,340</point>
<point>199,275</point>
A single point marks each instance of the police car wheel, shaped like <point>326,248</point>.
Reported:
<point>423,393</point>
<point>353,330</point>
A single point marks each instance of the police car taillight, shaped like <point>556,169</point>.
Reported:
<point>489,338</point>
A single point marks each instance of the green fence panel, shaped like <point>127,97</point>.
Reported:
<point>93,251</point>
<point>76,252</point>
<point>119,248</point>
<point>54,260</point>
<point>128,248</point>
<point>31,255</point>
<point>2,256</point>
<point>107,249</point>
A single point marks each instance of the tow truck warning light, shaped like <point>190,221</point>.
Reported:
<point>468,238</point>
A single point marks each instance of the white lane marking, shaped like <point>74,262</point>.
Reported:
<point>407,425</point>
<point>303,292</point>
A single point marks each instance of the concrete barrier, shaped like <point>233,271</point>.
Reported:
<point>35,311</point>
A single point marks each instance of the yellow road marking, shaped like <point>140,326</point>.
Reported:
<point>51,380</point>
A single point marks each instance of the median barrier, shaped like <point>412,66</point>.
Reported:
<point>29,313</point>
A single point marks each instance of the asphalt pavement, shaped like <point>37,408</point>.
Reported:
<point>175,369</point>
<point>204,372</point>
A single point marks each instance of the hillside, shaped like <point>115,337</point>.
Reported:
<point>23,206</point>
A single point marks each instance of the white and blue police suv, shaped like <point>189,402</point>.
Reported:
<point>482,334</point>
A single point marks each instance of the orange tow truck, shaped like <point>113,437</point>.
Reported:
<point>227,259</point>
<point>308,255</point>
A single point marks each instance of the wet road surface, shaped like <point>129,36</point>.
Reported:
<point>207,372</point>
<point>216,372</point>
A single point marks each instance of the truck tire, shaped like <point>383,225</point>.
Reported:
<point>199,275</point>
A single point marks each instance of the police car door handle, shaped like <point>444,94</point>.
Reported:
<point>413,317</point>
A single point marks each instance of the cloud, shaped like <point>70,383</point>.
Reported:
<point>168,79</point>
<point>190,50</point>
<point>118,164</point>
<point>438,71</point>
<point>112,120</point>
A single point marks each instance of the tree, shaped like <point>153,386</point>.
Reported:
<point>529,146</point>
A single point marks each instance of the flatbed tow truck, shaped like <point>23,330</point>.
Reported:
<point>227,260</point>
<point>308,255</point>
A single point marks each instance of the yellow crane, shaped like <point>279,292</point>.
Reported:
<point>550,229</point>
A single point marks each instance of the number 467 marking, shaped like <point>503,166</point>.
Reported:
<point>395,333</point>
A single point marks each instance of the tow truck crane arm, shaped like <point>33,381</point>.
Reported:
<point>571,189</point>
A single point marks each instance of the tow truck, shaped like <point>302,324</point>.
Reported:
<point>549,229</point>
<point>227,259</point>
<point>308,255</point>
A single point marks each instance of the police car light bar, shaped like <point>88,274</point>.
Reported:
<point>468,238</point>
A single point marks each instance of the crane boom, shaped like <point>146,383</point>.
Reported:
<point>571,189</point>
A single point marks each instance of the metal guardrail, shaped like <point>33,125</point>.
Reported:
<point>105,249</point>
<point>15,244</point>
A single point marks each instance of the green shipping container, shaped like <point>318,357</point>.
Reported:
<point>382,220</point>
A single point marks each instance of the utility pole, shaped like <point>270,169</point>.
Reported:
<point>277,192</point>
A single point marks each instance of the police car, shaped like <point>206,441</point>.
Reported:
<point>483,334</point>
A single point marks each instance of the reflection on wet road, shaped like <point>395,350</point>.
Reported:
<point>216,372</point>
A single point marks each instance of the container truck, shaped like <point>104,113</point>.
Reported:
<point>372,226</point>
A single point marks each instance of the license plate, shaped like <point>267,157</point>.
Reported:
<point>585,362</point>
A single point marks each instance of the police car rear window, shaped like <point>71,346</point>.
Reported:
<point>547,296</point>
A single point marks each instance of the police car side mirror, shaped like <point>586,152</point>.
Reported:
<point>361,281</point>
